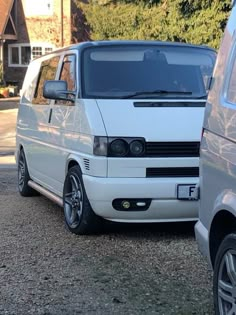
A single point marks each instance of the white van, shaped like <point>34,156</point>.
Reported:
<point>112,130</point>
<point>216,228</point>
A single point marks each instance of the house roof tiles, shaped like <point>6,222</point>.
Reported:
<point>5,10</point>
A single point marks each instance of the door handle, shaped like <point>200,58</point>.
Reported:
<point>50,115</point>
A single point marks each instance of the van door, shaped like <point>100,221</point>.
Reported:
<point>218,149</point>
<point>39,117</point>
<point>61,127</point>
<point>220,116</point>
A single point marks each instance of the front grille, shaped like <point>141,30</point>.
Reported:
<point>172,149</point>
<point>172,172</point>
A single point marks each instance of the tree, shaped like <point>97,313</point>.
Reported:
<point>198,22</point>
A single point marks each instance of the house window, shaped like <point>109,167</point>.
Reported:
<point>42,7</point>
<point>48,50</point>
<point>25,55</point>
<point>15,56</point>
<point>19,55</point>
<point>37,51</point>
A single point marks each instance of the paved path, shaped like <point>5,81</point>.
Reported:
<point>8,116</point>
<point>9,103</point>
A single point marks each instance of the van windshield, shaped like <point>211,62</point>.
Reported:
<point>146,71</point>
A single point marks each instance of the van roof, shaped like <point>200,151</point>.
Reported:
<point>83,45</point>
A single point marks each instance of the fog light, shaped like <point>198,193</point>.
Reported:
<point>131,204</point>
<point>125,204</point>
<point>141,204</point>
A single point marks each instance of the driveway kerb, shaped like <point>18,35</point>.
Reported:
<point>7,161</point>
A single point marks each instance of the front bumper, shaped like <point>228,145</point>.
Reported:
<point>202,238</point>
<point>165,207</point>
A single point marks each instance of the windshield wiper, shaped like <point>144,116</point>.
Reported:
<point>156,92</point>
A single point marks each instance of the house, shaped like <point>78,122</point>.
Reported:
<point>29,29</point>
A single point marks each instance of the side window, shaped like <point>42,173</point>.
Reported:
<point>68,72</point>
<point>47,72</point>
<point>231,86</point>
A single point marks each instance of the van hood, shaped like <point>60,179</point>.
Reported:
<point>155,120</point>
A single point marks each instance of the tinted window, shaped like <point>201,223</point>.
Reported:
<point>47,72</point>
<point>117,71</point>
<point>231,89</point>
<point>68,73</point>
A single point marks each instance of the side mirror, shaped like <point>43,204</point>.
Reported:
<point>57,90</point>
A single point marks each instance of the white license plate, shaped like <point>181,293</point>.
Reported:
<point>187,192</point>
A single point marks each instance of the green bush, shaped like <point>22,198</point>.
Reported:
<point>199,22</point>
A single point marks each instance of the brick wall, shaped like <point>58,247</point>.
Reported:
<point>48,28</point>
<point>39,29</point>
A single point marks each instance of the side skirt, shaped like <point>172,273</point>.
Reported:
<point>46,193</point>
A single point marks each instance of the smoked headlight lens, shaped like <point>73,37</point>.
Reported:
<point>119,148</point>
<point>100,146</point>
<point>136,148</point>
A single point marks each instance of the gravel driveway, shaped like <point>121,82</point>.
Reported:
<point>129,269</point>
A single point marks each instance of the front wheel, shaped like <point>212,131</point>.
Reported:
<point>224,280</point>
<point>79,216</point>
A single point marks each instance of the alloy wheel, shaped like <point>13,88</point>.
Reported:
<point>73,201</point>
<point>227,284</point>
<point>21,171</point>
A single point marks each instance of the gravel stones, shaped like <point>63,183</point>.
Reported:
<point>129,269</point>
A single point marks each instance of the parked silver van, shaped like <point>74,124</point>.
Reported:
<point>216,228</point>
<point>112,130</point>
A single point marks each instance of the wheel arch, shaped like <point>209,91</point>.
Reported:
<point>223,223</point>
<point>73,161</point>
<point>17,152</point>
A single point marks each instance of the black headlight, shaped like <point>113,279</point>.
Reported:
<point>100,146</point>
<point>136,148</point>
<point>118,148</point>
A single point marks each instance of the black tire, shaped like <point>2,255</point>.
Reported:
<point>224,279</point>
<point>79,216</point>
<point>23,177</point>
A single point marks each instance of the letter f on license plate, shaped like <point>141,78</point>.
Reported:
<point>187,192</point>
